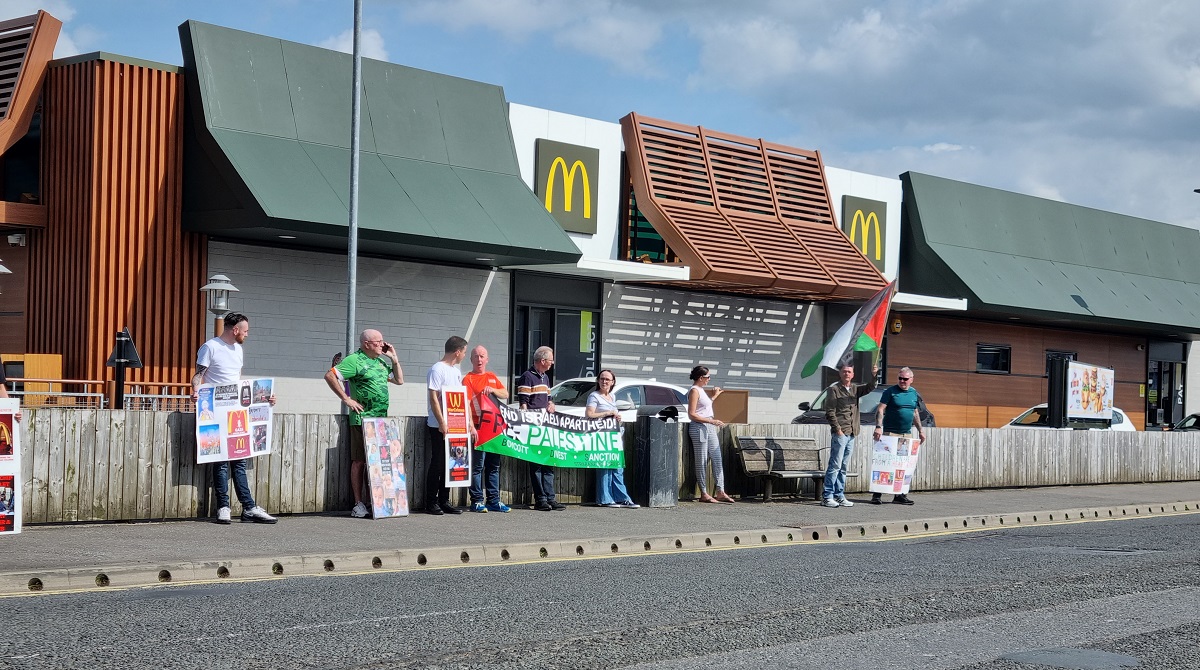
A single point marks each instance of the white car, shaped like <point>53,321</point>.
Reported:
<point>570,396</point>
<point>1036,417</point>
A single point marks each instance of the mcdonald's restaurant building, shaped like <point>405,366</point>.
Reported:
<point>647,246</point>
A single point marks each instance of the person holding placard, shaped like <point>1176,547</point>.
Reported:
<point>219,361</point>
<point>443,374</point>
<point>367,373</point>
<point>897,414</point>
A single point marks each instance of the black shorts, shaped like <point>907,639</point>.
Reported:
<point>358,448</point>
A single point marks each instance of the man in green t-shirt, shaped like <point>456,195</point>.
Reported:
<point>368,372</point>
<point>897,414</point>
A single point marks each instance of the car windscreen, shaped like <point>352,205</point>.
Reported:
<point>1034,417</point>
<point>572,394</point>
<point>870,401</point>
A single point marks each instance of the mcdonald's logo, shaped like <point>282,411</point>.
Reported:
<point>865,223</point>
<point>454,401</point>
<point>565,180</point>
<point>568,186</point>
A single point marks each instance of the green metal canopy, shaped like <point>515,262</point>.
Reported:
<point>1017,256</point>
<point>267,156</point>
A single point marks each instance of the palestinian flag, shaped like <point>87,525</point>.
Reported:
<point>863,332</point>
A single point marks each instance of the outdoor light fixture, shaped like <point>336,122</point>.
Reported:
<point>218,288</point>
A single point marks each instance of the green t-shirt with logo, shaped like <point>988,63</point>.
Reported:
<point>368,379</point>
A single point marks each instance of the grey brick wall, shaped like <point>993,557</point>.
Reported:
<point>296,302</point>
<point>752,344</point>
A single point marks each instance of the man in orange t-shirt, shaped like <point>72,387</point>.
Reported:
<point>479,382</point>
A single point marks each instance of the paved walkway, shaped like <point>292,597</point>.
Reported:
<point>147,544</point>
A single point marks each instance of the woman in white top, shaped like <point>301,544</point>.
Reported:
<point>703,431</point>
<point>610,482</point>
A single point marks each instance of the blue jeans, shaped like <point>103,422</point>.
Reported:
<point>839,457</point>
<point>542,478</point>
<point>610,486</point>
<point>483,461</point>
<point>221,484</point>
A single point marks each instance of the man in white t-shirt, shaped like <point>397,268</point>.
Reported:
<point>444,373</point>
<point>219,361</point>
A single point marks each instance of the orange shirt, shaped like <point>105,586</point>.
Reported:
<point>475,383</point>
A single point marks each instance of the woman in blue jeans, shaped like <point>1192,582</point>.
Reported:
<point>610,482</point>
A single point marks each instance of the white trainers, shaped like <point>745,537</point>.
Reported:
<point>830,502</point>
<point>257,515</point>
<point>360,511</point>
<point>845,503</point>
<point>223,515</point>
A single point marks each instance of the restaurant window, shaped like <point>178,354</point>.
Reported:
<point>1052,354</point>
<point>995,359</point>
<point>639,240</point>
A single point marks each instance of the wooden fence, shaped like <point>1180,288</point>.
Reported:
<point>108,465</point>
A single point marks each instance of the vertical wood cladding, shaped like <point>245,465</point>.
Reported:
<point>113,253</point>
<point>941,352</point>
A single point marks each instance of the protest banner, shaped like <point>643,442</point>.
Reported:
<point>384,442</point>
<point>893,461</point>
<point>10,467</point>
<point>457,437</point>
<point>233,421</point>
<point>554,439</point>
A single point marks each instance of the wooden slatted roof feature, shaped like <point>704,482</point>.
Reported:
<point>747,216</point>
<point>26,46</point>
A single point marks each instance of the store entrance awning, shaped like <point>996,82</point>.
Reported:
<point>747,216</point>
<point>268,156</point>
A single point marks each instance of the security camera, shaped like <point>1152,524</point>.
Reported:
<point>16,240</point>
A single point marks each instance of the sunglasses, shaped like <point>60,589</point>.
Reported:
<point>905,379</point>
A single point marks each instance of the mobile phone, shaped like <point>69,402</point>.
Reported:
<point>386,347</point>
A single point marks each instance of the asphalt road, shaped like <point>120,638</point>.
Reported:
<point>1107,594</point>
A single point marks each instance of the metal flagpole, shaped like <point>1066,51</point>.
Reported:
<point>352,233</point>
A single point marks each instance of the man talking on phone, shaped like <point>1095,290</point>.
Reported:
<point>368,370</point>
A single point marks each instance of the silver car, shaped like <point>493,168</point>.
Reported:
<point>570,396</point>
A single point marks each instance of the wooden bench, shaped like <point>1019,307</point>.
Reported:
<point>783,458</point>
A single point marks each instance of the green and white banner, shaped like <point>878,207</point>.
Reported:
<point>557,440</point>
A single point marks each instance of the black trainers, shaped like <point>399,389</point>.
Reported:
<point>557,506</point>
<point>544,506</point>
<point>449,509</point>
<point>434,510</point>
<point>876,498</point>
<point>902,500</point>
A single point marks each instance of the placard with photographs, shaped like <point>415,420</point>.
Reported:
<point>458,437</point>
<point>384,442</point>
<point>10,467</point>
<point>233,421</point>
<point>893,462</point>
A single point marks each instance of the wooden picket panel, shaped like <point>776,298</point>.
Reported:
<point>107,465</point>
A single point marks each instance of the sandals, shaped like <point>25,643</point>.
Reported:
<point>708,499</point>
<point>724,497</point>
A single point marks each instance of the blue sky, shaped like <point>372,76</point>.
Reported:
<point>1094,102</point>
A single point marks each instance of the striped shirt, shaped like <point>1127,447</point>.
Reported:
<point>533,389</point>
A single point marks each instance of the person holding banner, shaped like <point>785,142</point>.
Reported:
<point>897,414</point>
<point>703,431</point>
<point>219,361</point>
<point>444,373</point>
<point>610,482</point>
<point>480,382</point>
<point>841,410</point>
<point>533,392</point>
<point>360,381</point>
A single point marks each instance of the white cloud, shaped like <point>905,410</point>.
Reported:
<point>941,147</point>
<point>371,43</point>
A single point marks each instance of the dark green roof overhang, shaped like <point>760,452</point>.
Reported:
<point>1015,256</point>
<point>267,155</point>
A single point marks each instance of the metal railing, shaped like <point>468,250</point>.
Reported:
<point>96,394</point>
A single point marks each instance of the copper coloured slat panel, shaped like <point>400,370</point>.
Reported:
<point>715,243</point>
<point>794,265</point>
<point>113,253</point>
<point>26,47</point>
<point>739,175</point>
<point>840,257</point>
<point>800,188</point>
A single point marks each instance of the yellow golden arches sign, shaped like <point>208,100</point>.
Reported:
<point>568,186</point>
<point>566,179</point>
<point>865,222</point>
